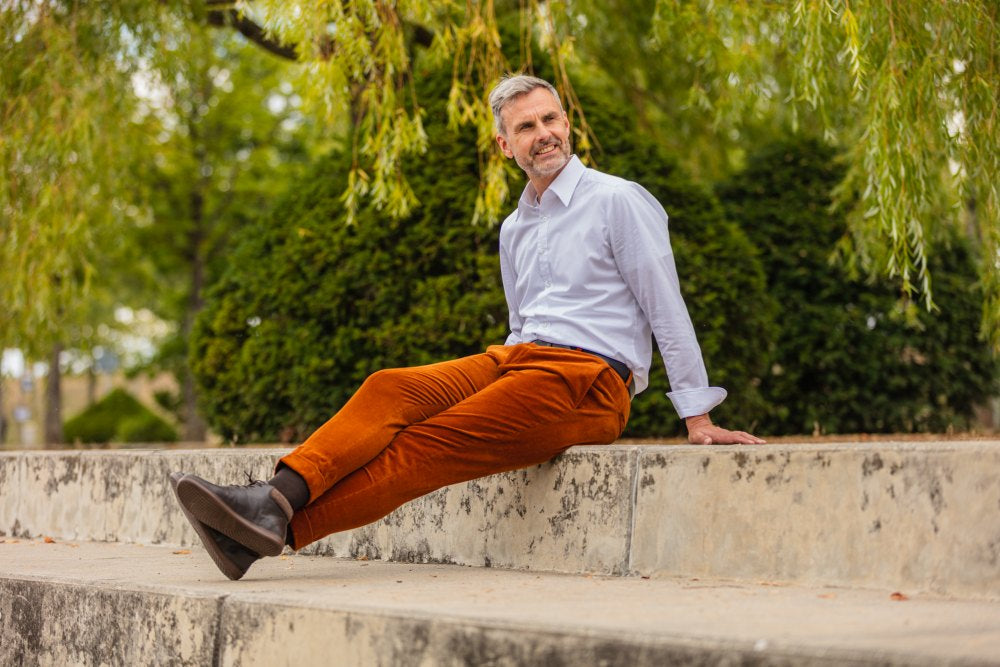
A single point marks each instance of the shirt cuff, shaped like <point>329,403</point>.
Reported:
<point>691,402</point>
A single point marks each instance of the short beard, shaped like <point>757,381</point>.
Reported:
<point>531,170</point>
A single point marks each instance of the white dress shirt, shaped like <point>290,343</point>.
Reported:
<point>589,264</point>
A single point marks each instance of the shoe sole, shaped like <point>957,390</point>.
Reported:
<point>228,567</point>
<point>213,512</point>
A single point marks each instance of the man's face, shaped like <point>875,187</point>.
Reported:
<point>536,134</point>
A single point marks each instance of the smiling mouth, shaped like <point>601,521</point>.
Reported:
<point>545,150</point>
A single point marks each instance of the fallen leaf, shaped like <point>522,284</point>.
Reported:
<point>182,552</point>
<point>898,597</point>
<point>283,558</point>
<point>49,540</point>
<point>827,596</point>
<point>361,558</point>
<point>645,577</point>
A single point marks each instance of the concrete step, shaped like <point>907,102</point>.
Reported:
<point>921,517</point>
<point>99,603</point>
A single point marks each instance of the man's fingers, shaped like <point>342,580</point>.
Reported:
<point>749,439</point>
<point>721,436</point>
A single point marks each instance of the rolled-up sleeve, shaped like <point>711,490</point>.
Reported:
<point>641,246</point>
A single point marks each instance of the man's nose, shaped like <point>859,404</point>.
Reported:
<point>543,134</point>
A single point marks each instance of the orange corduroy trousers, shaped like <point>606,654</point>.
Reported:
<point>409,431</point>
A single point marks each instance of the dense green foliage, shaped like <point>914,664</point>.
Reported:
<point>907,89</point>
<point>145,427</point>
<point>850,355</point>
<point>230,138</point>
<point>118,417</point>
<point>311,306</point>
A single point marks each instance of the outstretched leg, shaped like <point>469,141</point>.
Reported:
<point>409,431</point>
<point>237,524</point>
<point>386,403</point>
<point>544,402</point>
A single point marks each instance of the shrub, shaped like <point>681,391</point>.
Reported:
<point>851,355</point>
<point>146,427</point>
<point>118,417</point>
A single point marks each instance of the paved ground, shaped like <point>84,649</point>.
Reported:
<point>773,620</point>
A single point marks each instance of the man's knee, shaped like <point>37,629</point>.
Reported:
<point>387,380</point>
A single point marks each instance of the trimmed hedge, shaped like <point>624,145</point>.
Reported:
<point>851,355</point>
<point>118,417</point>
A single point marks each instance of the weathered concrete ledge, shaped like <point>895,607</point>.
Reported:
<point>909,516</point>
<point>118,604</point>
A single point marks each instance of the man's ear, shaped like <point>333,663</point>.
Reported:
<point>504,146</point>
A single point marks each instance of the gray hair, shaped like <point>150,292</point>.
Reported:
<point>512,87</point>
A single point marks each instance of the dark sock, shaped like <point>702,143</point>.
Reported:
<point>291,485</point>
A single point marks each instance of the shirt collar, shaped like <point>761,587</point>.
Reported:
<point>563,186</point>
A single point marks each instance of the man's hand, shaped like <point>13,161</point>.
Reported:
<point>701,431</point>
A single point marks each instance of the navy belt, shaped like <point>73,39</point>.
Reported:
<point>617,366</point>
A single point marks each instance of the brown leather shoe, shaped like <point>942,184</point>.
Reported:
<point>255,515</point>
<point>230,556</point>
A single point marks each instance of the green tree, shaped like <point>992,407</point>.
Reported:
<point>67,98</point>
<point>907,90</point>
<point>133,139</point>
<point>63,166</point>
<point>229,137</point>
<point>60,172</point>
<point>850,354</point>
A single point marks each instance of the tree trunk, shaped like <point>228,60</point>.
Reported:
<point>53,400</point>
<point>194,425</point>
<point>91,383</point>
<point>3,418</point>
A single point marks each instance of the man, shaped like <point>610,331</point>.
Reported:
<point>589,276</point>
